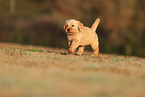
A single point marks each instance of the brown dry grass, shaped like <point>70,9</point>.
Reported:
<point>34,71</point>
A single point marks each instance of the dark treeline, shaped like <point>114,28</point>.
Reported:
<point>40,22</point>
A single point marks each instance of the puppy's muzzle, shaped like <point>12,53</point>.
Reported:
<point>68,30</point>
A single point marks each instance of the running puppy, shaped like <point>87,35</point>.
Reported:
<point>79,36</point>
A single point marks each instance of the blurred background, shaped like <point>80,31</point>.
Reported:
<point>40,22</point>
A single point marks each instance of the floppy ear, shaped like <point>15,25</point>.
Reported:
<point>80,26</point>
<point>64,27</point>
<point>65,24</point>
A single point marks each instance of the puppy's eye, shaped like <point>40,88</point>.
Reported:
<point>73,25</point>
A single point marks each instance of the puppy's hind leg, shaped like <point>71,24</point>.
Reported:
<point>95,47</point>
<point>80,50</point>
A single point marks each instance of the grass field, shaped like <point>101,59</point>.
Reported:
<point>34,71</point>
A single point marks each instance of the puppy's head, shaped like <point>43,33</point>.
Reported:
<point>73,26</point>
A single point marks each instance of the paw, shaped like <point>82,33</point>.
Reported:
<point>78,54</point>
<point>70,50</point>
<point>95,54</point>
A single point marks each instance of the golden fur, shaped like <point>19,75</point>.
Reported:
<point>79,36</point>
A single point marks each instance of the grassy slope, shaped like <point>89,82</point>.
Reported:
<point>32,71</point>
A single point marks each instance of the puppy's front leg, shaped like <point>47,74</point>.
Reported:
<point>69,43</point>
<point>74,45</point>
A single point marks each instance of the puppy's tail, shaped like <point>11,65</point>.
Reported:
<point>95,25</point>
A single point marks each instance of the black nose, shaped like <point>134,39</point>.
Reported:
<point>68,29</point>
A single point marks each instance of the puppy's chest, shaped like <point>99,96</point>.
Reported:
<point>70,38</point>
<point>74,37</point>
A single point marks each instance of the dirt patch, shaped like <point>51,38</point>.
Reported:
<point>35,71</point>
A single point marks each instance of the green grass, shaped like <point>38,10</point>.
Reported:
<point>34,50</point>
<point>118,59</point>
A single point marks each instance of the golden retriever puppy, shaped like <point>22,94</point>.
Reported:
<point>79,36</point>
